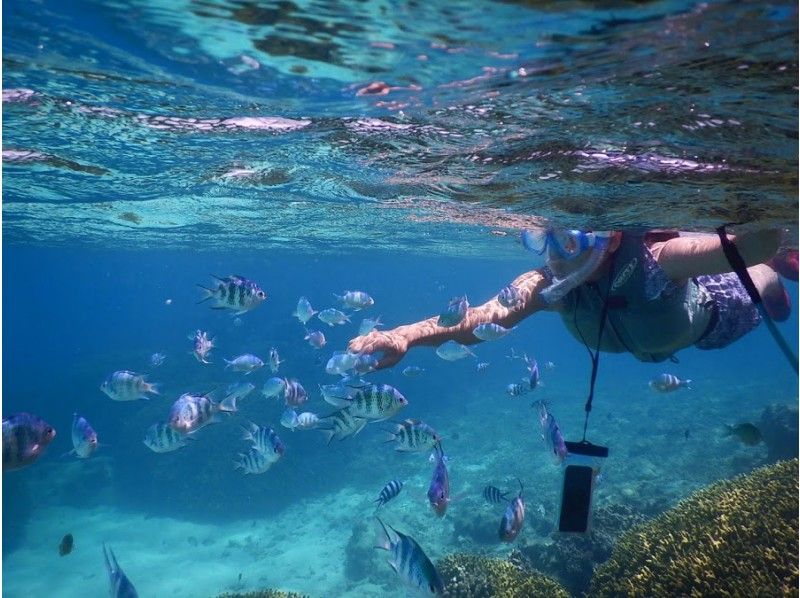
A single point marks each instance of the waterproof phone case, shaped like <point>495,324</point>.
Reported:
<point>581,466</point>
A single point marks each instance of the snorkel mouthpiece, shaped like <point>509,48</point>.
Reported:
<point>596,242</point>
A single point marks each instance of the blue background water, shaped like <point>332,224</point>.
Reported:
<point>123,187</point>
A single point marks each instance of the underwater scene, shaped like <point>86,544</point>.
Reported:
<point>304,298</point>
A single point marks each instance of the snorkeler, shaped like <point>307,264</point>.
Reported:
<point>661,291</point>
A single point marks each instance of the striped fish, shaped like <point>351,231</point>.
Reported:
<point>481,367</point>
<point>123,385</point>
<point>121,586</point>
<point>265,440</point>
<point>551,433</point>
<point>356,300</point>
<point>25,438</point>
<point>513,518</point>
<point>516,389</point>
<point>254,462</point>
<point>294,394</point>
<point>414,435</point>
<point>493,495</point>
<point>410,562</point>
<point>390,490</point>
<point>162,438</point>
<point>454,312</point>
<point>375,402</point>
<point>342,425</point>
<point>509,297</point>
<point>669,383</point>
<point>235,293</point>
<point>192,412</point>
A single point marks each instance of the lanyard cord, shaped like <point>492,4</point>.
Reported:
<point>740,268</point>
<point>595,357</point>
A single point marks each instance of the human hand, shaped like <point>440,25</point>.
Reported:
<point>392,345</point>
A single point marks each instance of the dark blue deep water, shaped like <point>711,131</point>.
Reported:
<point>392,147</point>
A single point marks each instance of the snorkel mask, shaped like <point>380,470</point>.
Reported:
<point>567,245</point>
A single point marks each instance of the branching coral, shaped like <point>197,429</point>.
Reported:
<point>475,576</point>
<point>734,538</point>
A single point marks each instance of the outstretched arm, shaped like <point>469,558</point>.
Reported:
<point>394,343</point>
<point>695,255</point>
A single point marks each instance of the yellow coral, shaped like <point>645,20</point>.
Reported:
<point>734,538</point>
<point>475,576</point>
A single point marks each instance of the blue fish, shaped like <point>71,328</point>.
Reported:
<point>410,562</point>
<point>439,490</point>
<point>121,586</point>
<point>551,433</point>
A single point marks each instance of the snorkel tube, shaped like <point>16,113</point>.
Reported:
<point>569,245</point>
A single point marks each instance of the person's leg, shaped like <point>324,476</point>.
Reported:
<point>769,285</point>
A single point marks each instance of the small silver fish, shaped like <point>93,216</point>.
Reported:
<point>454,312</point>
<point>533,371</point>
<point>307,421</point>
<point>549,365</point>
<point>551,433</point>
<point>515,389</point>
<point>202,346</point>
<point>490,331</point>
<point>365,363</point>
<point>315,338</point>
<point>439,489</point>
<point>341,362</point>
<point>413,371</point>
<point>235,293</point>
<point>453,351</point>
<point>25,438</point>
<point>123,385</point>
<point>669,383</point>
<point>274,360</point>
<point>410,562</point>
<point>121,586</point>
<point>333,316</point>
<point>162,438</point>
<point>246,363</point>
<point>274,387</point>
<point>84,438</point>
<point>481,367</point>
<point>368,325</point>
<point>156,359</point>
<point>239,390</point>
<point>190,413</point>
<point>289,418</point>
<point>304,312</point>
<point>356,300</point>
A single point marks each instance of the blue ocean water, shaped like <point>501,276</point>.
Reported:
<point>149,145</point>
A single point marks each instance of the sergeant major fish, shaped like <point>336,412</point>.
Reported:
<point>156,359</point>
<point>414,435</point>
<point>202,346</point>
<point>439,489</point>
<point>493,495</point>
<point>410,562</point>
<point>509,297</point>
<point>305,421</point>
<point>123,385</point>
<point>247,363</point>
<point>413,371</point>
<point>516,389</point>
<point>513,518</point>
<point>454,312</point>
<point>234,292</point>
<point>121,586</point>
<point>193,412</point>
<point>668,383</point>
<point>303,312</point>
<point>25,438</point>
<point>374,402</point>
<point>389,491</point>
<point>294,394</point>
<point>253,462</point>
<point>341,362</point>
<point>342,424</point>
<point>357,300</point>
<point>162,438</point>
<point>265,440</point>
<point>84,438</point>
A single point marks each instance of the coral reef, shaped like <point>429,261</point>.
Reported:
<point>475,576</point>
<point>735,538</point>
<point>778,427</point>
<point>264,594</point>
<point>572,559</point>
<point>362,561</point>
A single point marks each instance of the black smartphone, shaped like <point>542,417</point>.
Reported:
<point>576,499</point>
